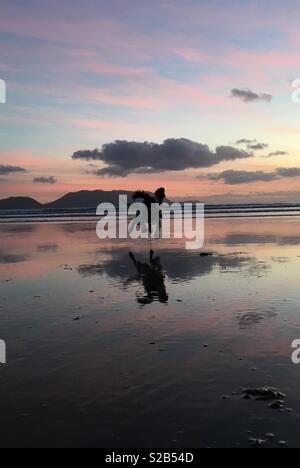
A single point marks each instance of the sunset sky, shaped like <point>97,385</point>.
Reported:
<point>209,82</point>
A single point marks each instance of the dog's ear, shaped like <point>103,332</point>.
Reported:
<point>160,193</point>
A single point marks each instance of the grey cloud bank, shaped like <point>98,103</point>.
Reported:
<point>6,170</point>
<point>245,141</point>
<point>232,177</point>
<point>123,158</point>
<point>45,180</point>
<point>246,95</point>
<point>257,146</point>
<point>277,153</point>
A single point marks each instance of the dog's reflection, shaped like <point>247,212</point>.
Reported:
<point>152,278</point>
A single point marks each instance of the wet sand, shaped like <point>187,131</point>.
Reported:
<point>100,356</point>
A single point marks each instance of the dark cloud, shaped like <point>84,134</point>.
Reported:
<point>252,145</point>
<point>288,171</point>
<point>124,157</point>
<point>257,146</point>
<point>6,170</point>
<point>245,141</point>
<point>255,197</point>
<point>232,177</point>
<point>277,153</point>
<point>45,180</point>
<point>246,95</point>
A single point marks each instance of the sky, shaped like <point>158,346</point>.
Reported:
<point>192,95</point>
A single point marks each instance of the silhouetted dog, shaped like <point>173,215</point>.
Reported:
<point>148,200</point>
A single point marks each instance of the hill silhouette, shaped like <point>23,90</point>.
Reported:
<point>88,199</point>
<point>82,199</point>
<point>20,203</point>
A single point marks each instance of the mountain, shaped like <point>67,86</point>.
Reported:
<point>82,199</point>
<point>87,199</point>
<point>19,203</point>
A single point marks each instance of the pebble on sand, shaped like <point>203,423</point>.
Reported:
<point>278,404</point>
<point>256,442</point>
<point>264,393</point>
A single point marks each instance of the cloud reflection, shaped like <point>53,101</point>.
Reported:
<point>252,238</point>
<point>178,267</point>
<point>6,259</point>
<point>254,317</point>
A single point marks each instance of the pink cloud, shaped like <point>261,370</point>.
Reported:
<point>193,55</point>
<point>269,60</point>
<point>61,30</point>
<point>108,69</point>
<point>91,124</point>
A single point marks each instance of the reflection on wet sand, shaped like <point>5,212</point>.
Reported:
<point>90,270</point>
<point>152,278</point>
<point>7,259</point>
<point>47,248</point>
<point>148,349</point>
<point>253,317</point>
<point>179,267</point>
<point>18,229</point>
<point>252,238</point>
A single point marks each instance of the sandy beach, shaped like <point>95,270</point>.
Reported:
<point>98,358</point>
